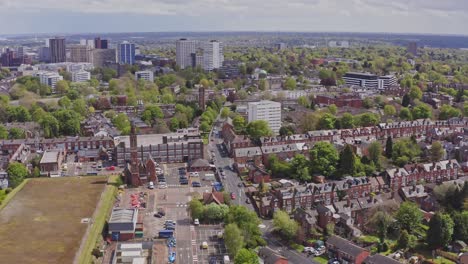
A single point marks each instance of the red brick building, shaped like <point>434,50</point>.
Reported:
<point>345,251</point>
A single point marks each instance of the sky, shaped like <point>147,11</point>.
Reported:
<point>90,16</point>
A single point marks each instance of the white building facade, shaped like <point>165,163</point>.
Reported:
<point>266,110</point>
<point>145,75</point>
<point>81,76</point>
<point>49,78</point>
<point>212,55</point>
<point>184,50</point>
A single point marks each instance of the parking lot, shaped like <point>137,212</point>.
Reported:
<point>216,247</point>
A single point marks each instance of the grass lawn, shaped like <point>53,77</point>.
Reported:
<point>42,222</point>
<point>297,247</point>
<point>99,219</point>
<point>321,259</point>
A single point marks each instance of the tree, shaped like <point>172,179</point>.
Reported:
<point>304,101</point>
<point>245,256</point>
<point>348,161</point>
<point>62,87</point>
<point>50,125</point>
<point>327,121</point>
<point>3,132</point>
<point>258,128</point>
<point>300,168</point>
<point>151,114</point>
<point>415,93</point>
<point>406,100</point>
<point>405,114</point>
<point>286,226</point>
<point>333,109</point>
<point>347,121</point>
<point>286,131</point>
<point>421,111</point>
<point>249,222</point>
<point>436,152</point>
<point>440,231</point>
<point>447,112</point>
<point>389,110</point>
<point>16,133</point>
<point>375,153</point>
<point>381,221</point>
<point>225,112</point>
<point>196,209</point>
<point>215,212</point>
<point>122,123</point>
<point>406,240</point>
<point>233,239</point>
<point>368,119</point>
<point>262,84</point>
<point>324,158</point>
<point>389,147</point>
<point>405,150</point>
<point>409,216</point>
<point>17,172</point>
<point>80,107</point>
<point>239,124</point>
<point>460,228</point>
<point>290,83</point>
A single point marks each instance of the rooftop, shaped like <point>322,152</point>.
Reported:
<point>123,215</point>
<point>50,156</point>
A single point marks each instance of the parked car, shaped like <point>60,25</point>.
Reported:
<point>204,245</point>
<point>158,215</point>
<point>194,174</point>
<point>196,221</point>
<point>239,184</point>
<point>161,212</point>
<point>233,196</point>
<point>151,185</point>
<point>196,184</point>
<point>184,182</point>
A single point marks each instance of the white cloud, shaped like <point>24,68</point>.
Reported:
<point>438,16</point>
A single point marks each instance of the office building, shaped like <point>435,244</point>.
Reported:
<point>81,76</point>
<point>103,56</point>
<point>80,53</point>
<point>57,50</point>
<point>365,80</point>
<point>7,58</point>
<point>44,54</point>
<point>100,43</point>
<point>212,55</point>
<point>413,48</point>
<point>145,75</point>
<point>266,110</point>
<point>184,50</point>
<point>87,42</point>
<point>20,52</point>
<point>126,53</point>
<point>387,81</point>
<point>49,78</point>
<point>280,46</point>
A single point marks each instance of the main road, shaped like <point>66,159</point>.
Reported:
<point>231,184</point>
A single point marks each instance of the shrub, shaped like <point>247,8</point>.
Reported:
<point>8,190</point>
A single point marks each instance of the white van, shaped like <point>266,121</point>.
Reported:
<point>227,259</point>
<point>151,185</point>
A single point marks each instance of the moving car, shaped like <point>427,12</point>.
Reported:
<point>196,222</point>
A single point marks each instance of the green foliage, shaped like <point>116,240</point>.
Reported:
<point>3,132</point>
<point>381,221</point>
<point>324,158</point>
<point>304,101</point>
<point>333,109</point>
<point>327,121</point>
<point>421,111</point>
<point>286,226</point>
<point>409,216</point>
<point>290,83</point>
<point>415,93</point>
<point>406,100</point>
<point>16,133</point>
<point>215,212</point>
<point>436,152</point>
<point>367,119</point>
<point>225,112</point>
<point>245,256</point>
<point>405,114</point>
<point>196,209</point>
<point>460,229</point>
<point>440,231</point>
<point>348,161</point>
<point>389,147</point>
<point>258,128</point>
<point>233,239</point>
<point>17,172</point>
<point>62,87</point>
<point>248,222</point>
<point>122,123</point>
<point>389,110</point>
<point>151,114</point>
<point>447,112</point>
<point>347,121</point>
<point>406,240</point>
<point>375,153</point>
<point>286,131</point>
<point>405,150</point>
<point>69,121</point>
